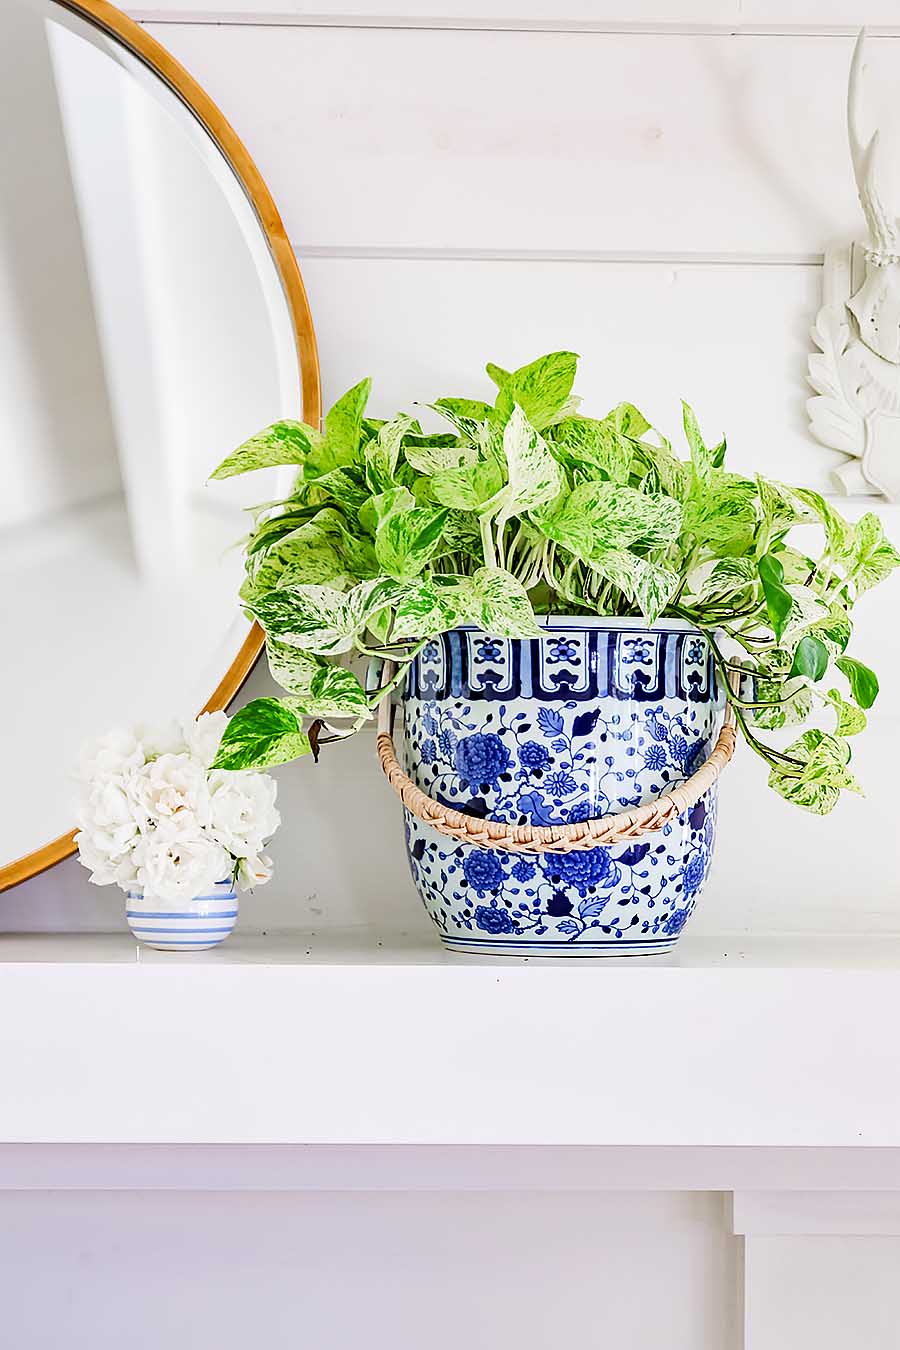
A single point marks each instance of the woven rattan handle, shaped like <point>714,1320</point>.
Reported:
<point>619,828</point>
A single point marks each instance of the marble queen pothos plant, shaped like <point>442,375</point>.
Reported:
<point>526,507</point>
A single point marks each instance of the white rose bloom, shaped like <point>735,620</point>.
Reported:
<point>254,871</point>
<point>172,791</point>
<point>161,738</point>
<point>204,735</point>
<point>106,816</point>
<point>171,868</point>
<point>105,869</point>
<point>111,756</point>
<point>242,814</point>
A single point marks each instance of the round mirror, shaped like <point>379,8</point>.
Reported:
<point>152,318</point>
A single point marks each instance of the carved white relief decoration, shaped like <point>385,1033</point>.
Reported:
<point>856,372</point>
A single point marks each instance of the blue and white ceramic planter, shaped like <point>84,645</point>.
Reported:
<point>189,926</point>
<point>595,716</point>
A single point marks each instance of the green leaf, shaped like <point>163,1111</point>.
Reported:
<point>343,426</point>
<point>497,374</point>
<point>541,389</point>
<point>284,442</point>
<point>407,540</point>
<point>778,599</point>
<point>810,659</point>
<point>260,735</point>
<point>661,470</point>
<point>834,629</point>
<point>785,702</point>
<point>863,681</point>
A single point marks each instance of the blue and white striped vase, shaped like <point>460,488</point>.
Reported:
<point>187,926</point>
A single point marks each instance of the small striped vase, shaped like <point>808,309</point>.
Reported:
<point>190,926</point>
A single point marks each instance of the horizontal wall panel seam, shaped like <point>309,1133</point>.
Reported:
<point>276,18</point>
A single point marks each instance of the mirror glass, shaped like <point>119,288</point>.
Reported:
<point>144,333</point>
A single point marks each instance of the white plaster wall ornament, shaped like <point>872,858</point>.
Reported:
<point>856,372</point>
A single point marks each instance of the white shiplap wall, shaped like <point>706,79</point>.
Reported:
<point>649,183</point>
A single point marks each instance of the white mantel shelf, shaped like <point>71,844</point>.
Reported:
<point>356,1039</point>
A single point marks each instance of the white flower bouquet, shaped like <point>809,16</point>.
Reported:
<point>153,814</point>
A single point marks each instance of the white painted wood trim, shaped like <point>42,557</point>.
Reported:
<point>274,1045</point>
<point>870,1213</point>
<point>504,1168</point>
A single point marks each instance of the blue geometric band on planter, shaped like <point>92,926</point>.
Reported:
<point>579,663</point>
<point>591,718</point>
<point>195,926</point>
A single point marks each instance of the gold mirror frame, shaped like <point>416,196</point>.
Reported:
<point>134,39</point>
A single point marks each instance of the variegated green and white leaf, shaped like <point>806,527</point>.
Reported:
<point>648,585</point>
<point>728,579</point>
<point>628,420</point>
<point>428,609</point>
<point>384,504</point>
<point>723,514</point>
<point>343,426</point>
<point>429,459</point>
<point>587,443</point>
<point>468,489</point>
<point>851,720</point>
<point>872,556</point>
<point>260,735</point>
<point>500,605</point>
<point>407,540</point>
<point>290,667</point>
<point>533,475</point>
<point>285,442</point>
<point>334,691</point>
<point>838,530</point>
<point>541,389</point>
<point>597,517</point>
<point>822,772</point>
<point>320,618</point>
<point>383,453</point>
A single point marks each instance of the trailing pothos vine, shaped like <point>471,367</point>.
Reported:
<point>525,507</point>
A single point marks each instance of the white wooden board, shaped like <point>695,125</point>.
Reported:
<point>597,143</point>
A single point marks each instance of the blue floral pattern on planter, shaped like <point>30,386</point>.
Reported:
<point>593,717</point>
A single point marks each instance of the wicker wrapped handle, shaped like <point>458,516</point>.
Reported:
<point>618,828</point>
